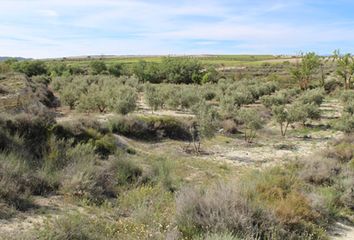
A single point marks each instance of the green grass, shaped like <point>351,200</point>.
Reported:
<point>225,60</point>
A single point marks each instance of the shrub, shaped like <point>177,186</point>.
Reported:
<point>345,123</point>
<point>153,97</point>
<point>181,70</point>
<point>342,150</point>
<point>251,122</point>
<point>86,180</point>
<point>70,95</point>
<point>124,100</point>
<point>149,127</point>
<point>315,96</point>
<point>218,236</point>
<point>115,69</point>
<point>162,173</point>
<point>347,96</point>
<point>105,145</point>
<point>76,226</point>
<point>18,181</point>
<point>229,126</point>
<point>320,171</point>
<point>31,68</point>
<point>98,67</point>
<point>347,199</point>
<point>220,209</point>
<point>189,98</point>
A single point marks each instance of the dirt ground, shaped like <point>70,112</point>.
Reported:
<point>269,149</point>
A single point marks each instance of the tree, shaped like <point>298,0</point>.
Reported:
<point>345,67</point>
<point>69,95</point>
<point>115,69</point>
<point>210,76</point>
<point>98,67</point>
<point>58,69</point>
<point>96,98</point>
<point>251,121</point>
<point>181,70</point>
<point>31,68</point>
<point>124,100</point>
<point>314,96</point>
<point>304,71</point>
<point>147,72</point>
<point>153,97</point>
<point>205,125</point>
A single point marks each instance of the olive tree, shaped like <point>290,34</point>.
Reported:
<point>96,98</point>
<point>204,126</point>
<point>304,70</point>
<point>123,100</point>
<point>346,121</point>
<point>315,96</point>
<point>70,95</point>
<point>251,121</point>
<point>345,67</point>
<point>153,97</point>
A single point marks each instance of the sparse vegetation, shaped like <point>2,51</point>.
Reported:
<point>176,148</point>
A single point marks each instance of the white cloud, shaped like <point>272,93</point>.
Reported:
<point>48,13</point>
<point>38,28</point>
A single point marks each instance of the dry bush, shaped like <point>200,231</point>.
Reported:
<point>342,149</point>
<point>219,209</point>
<point>84,178</point>
<point>18,181</point>
<point>320,171</point>
<point>347,199</point>
<point>229,126</point>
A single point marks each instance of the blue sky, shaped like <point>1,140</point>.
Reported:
<point>57,28</point>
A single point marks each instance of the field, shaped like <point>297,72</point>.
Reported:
<point>192,147</point>
<point>217,60</point>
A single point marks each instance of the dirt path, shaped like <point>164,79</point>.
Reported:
<point>343,232</point>
<point>45,208</point>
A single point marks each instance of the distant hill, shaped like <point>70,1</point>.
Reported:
<point>18,58</point>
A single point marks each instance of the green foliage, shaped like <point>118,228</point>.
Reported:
<point>31,68</point>
<point>124,100</point>
<point>98,67</point>
<point>210,76</point>
<point>76,226</point>
<point>149,127</point>
<point>314,96</point>
<point>58,69</point>
<point>251,121</point>
<point>116,69</point>
<point>70,95</point>
<point>303,72</point>
<point>147,72</point>
<point>345,67</point>
<point>346,121</point>
<point>181,70</point>
<point>153,97</point>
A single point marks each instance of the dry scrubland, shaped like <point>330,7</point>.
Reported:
<point>212,147</point>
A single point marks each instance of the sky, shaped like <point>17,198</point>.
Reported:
<point>59,28</point>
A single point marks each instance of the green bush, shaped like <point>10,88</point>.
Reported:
<point>76,226</point>
<point>84,179</point>
<point>31,68</point>
<point>315,96</point>
<point>98,67</point>
<point>149,127</point>
<point>251,121</point>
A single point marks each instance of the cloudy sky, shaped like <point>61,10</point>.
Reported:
<point>57,28</point>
